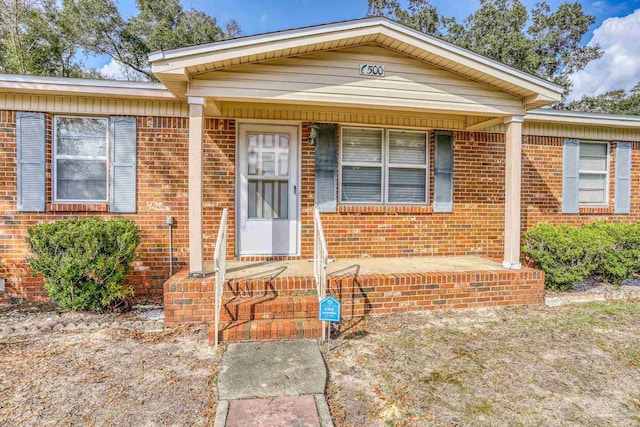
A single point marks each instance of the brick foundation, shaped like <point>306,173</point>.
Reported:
<point>191,300</point>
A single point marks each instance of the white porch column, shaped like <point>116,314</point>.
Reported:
<point>196,134</point>
<point>513,180</point>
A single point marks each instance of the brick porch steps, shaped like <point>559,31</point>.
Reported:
<point>269,307</point>
<point>268,329</point>
<point>263,309</point>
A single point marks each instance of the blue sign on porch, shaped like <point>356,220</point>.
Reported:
<point>330,309</point>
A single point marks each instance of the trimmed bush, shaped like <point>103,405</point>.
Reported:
<point>571,254</point>
<point>84,261</point>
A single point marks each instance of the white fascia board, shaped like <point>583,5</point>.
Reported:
<point>580,118</point>
<point>35,84</point>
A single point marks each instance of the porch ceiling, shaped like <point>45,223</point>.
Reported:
<point>176,68</point>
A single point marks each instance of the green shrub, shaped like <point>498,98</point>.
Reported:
<point>571,254</point>
<point>561,252</point>
<point>84,262</point>
<point>619,258</point>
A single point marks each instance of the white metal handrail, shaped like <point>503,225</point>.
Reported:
<point>320,260</point>
<point>220,265</point>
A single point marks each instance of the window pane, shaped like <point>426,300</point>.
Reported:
<point>407,185</point>
<point>593,163</point>
<point>78,136</point>
<point>407,147</point>
<point>283,162</point>
<point>81,180</point>
<point>268,199</point>
<point>591,196</point>
<point>592,188</point>
<point>592,182</point>
<point>268,140</point>
<point>361,184</point>
<point>268,163</point>
<point>593,157</point>
<point>593,149</point>
<point>362,145</point>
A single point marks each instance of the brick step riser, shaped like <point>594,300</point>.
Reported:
<point>278,308</point>
<point>268,330</point>
<point>288,286</point>
<point>302,315</point>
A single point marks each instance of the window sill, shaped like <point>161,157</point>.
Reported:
<point>382,209</point>
<point>596,210</point>
<point>78,207</point>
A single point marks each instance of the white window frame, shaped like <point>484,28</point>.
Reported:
<point>385,166</point>
<point>55,157</point>
<point>606,174</point>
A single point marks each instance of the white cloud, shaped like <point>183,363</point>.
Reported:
<point>619,67</point>
<point>117,71</point>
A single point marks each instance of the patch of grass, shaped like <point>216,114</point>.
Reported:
<point>354,335</point>
<point>526,366</point>
<point>630,355</point>
<point>475,410</point>
<point>436,378</point>
<point>407,342</point>
<point>633,407</point>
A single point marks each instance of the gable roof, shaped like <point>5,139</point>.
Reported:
<point>175,67</point>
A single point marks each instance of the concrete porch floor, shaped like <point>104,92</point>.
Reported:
<point>360,266</point>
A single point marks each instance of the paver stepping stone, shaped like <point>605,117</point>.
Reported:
<point>298,411</point>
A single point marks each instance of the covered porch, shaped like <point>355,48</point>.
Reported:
<point>410,169</point>
<point>279,87</point>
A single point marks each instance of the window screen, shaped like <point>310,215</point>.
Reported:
<point>80,159</point>
<point>594,171</point>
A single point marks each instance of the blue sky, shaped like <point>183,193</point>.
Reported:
<point>259,16</point>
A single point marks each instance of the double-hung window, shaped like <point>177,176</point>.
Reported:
<point>384,166</point>
<point>407,167</point>
<point>80,159</point>
<point>593,173</point>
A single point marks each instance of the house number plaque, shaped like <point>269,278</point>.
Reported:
<point>372,70</point>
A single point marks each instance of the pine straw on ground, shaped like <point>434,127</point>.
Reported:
<point>108,377</point>
<point>569,366</point>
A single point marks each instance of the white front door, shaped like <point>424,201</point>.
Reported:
<point>268,190</point>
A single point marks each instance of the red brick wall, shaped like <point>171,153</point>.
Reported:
<point>476,225</point>
<point>219,177</point>
<point>162,191</point>
<point>542,186</point>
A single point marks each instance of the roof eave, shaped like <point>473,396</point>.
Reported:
<point>83,87</point>
<point>582,118</point>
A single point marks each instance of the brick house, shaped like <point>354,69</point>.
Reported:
<point>424,162</point>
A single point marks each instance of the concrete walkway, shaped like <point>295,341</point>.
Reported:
<point>271,384</point>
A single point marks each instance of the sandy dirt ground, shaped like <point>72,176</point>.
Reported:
<point>106,377</point>
<point>568,366</point>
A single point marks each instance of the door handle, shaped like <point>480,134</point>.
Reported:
<point>295,190</point>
